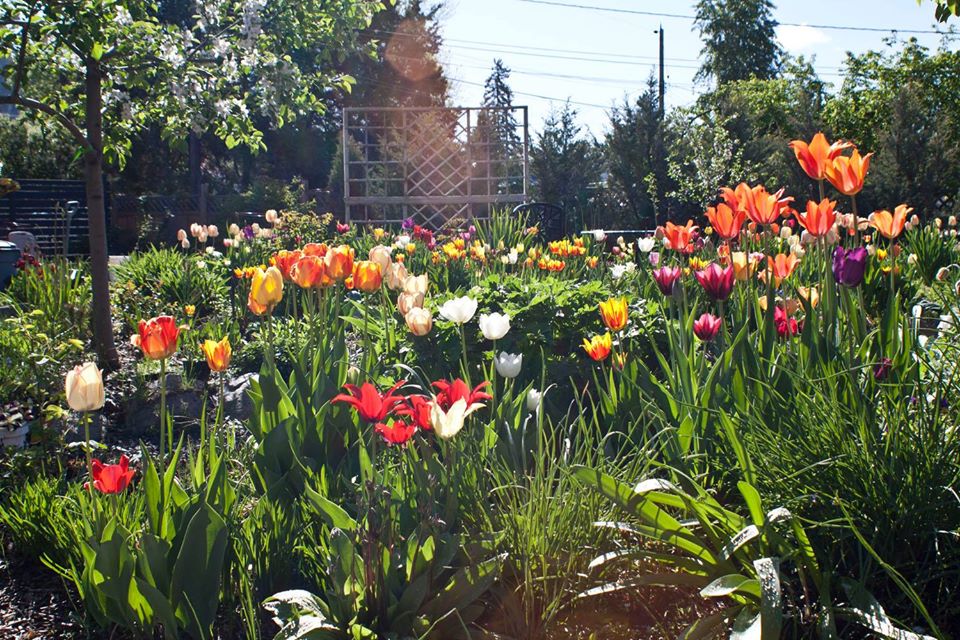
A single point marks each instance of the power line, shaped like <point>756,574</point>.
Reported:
<point>689,17</point>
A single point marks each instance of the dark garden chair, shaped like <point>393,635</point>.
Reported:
<point>548,218</point>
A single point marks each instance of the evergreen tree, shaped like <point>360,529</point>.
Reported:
<point>563,165</point>
<point>499,125</point>
<point>739,41</point>
<point>634,157</point>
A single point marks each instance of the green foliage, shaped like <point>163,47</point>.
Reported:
<point>34,518</point>
<point>59,290</point>
<point>164,281</point>
<point>739,41</point>
<point>53,154</point>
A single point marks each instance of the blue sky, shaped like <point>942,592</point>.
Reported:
<point>595,58</point>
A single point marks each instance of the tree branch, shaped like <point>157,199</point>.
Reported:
<point>22,54</point>
<point>36,105</point>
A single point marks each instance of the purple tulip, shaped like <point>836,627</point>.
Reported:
<point>882,369</point>
<point>849,265</point>
<point>407,224</point>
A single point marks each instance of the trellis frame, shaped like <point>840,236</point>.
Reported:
<point>396,165</point>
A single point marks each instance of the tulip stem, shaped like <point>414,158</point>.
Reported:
<point>463,343</point>
<point>86,444</point>
<point>164,427</point>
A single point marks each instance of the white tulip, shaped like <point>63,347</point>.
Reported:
<point>508,364</point>
<point>84,387</point>
<point>395,275</point>
<point>459,310</point>
<point>382,256</point>
<point>213,231</point>
<point>494,326</point>
<point>534,400</point>
<point>419,321</point>
<point>447,424</point>
<point>646,245</point>
<point>234,229</point>
<point>407,301</point>
<point>599,235</point>
<point>513,256</point>
<point>271,216</point>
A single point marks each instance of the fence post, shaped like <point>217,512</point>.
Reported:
<point>202,202</point>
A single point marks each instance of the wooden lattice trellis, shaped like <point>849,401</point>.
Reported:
<point>439,166</point>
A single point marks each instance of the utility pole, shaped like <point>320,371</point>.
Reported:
<point>663,83</point>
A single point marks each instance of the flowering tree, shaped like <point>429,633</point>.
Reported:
<point>105,68</point>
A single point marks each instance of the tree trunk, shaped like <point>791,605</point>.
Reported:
<point>96,211</point>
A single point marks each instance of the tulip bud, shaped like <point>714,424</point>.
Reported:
<point>534,400</point>
<point>185,243</point>
<point>494,326</point>
<point>942,274</point>
<point>84,388</point>
<point>785,233</point>
<point>509,364</point>
<point>912,259</point>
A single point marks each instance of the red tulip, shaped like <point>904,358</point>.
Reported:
<point>786,326</point>
<point>397,432</point>
<point>420,411</point>
<point>370,403</point>
<point>157,337</point>
<point>451,391</point>
<point>111,478</point>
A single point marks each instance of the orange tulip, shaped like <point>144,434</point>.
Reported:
<point>614,313</point>
<point>598,347</point>
<point>255,307</point>
<point>737,198</point>
<point>781,266</point>
<point>157,337</point>
<point>726,221</point>
<point>744,265</point>
<point>315,249</point>
<point>217,353</point>
<point>815,157</point>
<point>367,276</point>
<point>847,174</point>
<point>679,237</point>
<point>310,272</point>
<point>766,208</point>
<point>890,225</point>
<point>819,218</point>
<point>284,261</point>
<point>339,262</point>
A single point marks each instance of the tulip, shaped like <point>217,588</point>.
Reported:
<point>339,262</point>
<point>726,221</point>
<point>217,353</point>
<point>284,261</point>
<point>816,156</point>
<point>381,255</point>
<point>849,266</point>
<point>450,391</point>
<point>416,284</point>
<point>613,312</point>
<point>890,225</point>
<point>534,400</point>
<point>367,276</point>
<point>316,249</point>
<point>270,216</point>
<point>408,301</point>
<point>395,276</point>
<point>447,424</point>
<point>84,388</point>
<point>786,326</point>
<point>111,478</point>
<point>459,310</point>
<point>781,266</point>
<point>766,208</point>
<point>181,236</point>
<point>679,238</point>
<point>598,347</point>
<point>419,321</point>
<point>646,245</point>
<point>819,217</point>
<point>847,174</point>
<point>310,272</point>
<point>157,337</point>
<point>369,403</point>
<point>509,364</point>
<point>213,231</point>
<point>716,281</point>
<point>397,432</point>
<point>494,326</point>
<point>666,278</point>
<point>707,326</point>
<point>266,288</point>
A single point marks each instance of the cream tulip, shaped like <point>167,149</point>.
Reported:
<point>381,255</point>
<point>395,276</point>
<point>416,284</point>
<point>84,387</point>
<point>408,301</point>
<point>447,424</point>
<point>419,321</point>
